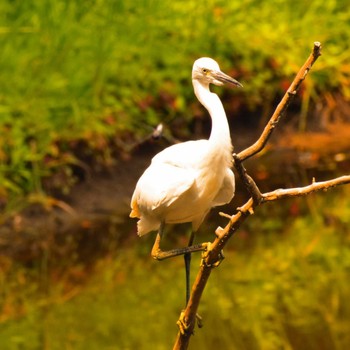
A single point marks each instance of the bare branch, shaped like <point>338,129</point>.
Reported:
<point>283,105</point>
<point>303,191</point>
<point>213,256</point>
<point>247,180</point>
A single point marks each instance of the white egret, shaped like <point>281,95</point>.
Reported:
<point>186,180</point>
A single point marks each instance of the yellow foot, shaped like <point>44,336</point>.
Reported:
<point>184,327</point>
<point>205,255</point>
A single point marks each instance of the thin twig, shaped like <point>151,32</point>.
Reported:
<point>283,105</point>
<point>188,317</point>
<point>213,256</point>
<point>303,191</point>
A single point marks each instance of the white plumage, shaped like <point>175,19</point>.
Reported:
<point>186,180</point>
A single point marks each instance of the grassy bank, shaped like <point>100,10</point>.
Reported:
<point>283,285</point>
<point>77,76</point>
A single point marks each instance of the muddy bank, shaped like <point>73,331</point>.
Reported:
<point>93,217</point>
<point>90,217</point>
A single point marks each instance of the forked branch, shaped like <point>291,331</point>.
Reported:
<point>188,317</point>
<point>212,256</point>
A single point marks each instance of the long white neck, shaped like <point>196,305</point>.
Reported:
<point>220,131</point>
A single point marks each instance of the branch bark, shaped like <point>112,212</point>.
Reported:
<point>283,105</point>
<point>303,191</point>
<point>213,256</point>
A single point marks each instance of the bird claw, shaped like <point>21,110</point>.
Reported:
<point>205,252</point>
<point>205,255</point>
<point>221,257</point>
<point>184,327</point>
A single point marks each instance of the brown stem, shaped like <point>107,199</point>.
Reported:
<point>223,235</point>
<point>212,256</point>
<point>303,191</point>
<point>247,180</point>
<point>283,105</point>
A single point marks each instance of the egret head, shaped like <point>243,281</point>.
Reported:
<point>207,71</point>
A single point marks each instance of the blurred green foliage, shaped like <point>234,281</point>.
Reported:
<point>281,286</point>
<point>93,70</point>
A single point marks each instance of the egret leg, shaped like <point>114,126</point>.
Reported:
<point>158,254</point>
<point>187,258</point>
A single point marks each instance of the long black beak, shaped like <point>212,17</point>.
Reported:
<point>224,78</point>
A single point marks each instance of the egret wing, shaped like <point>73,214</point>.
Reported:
<point>227,190</point>
<point>160,185</point>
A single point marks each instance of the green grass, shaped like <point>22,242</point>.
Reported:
<point>281,286</point>
<point>94,70</point>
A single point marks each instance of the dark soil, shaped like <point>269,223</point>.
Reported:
<point>93,217</point>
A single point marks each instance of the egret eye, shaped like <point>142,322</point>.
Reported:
<point>184,181</point>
